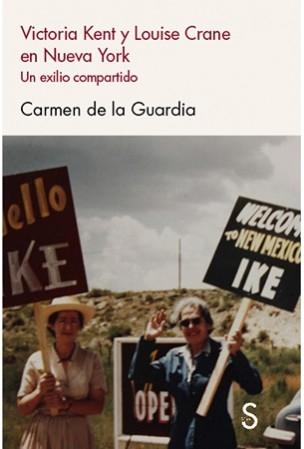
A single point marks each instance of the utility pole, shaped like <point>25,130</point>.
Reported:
<point>179,264</point>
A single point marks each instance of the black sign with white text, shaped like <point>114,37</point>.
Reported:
<point>259,254</point>
<point>147,410</point>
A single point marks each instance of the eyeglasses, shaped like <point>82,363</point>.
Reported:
<point>187,321</point>
<point>72,322</point>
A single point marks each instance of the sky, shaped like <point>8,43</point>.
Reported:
<point>135,197</point>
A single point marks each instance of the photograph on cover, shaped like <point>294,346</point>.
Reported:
<point>151,290</point>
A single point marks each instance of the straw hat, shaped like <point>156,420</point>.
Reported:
<point>69,303</point>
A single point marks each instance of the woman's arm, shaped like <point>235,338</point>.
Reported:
<point>28,403</point>
<point>142,368</point>
<point>93,405</point>
<point>246,374</point>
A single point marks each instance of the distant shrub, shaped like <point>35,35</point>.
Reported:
<point>18,322</point>
<point>245,328</point>
<point>97,292</point>
<point>263,337</point>
<point>173,297</point>
<point>226,323</point>
<point>9,358</point>
<point>122,295</point>
<point>225,305</point>
<point>278,389</point>
<point>290,355</point>
<point>119,330</point>
<point>215,303</point>
<point>28,312</point>
<point>274,360</point>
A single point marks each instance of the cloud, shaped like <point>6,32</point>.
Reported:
<point>136,196</point>
<point>122,175</point>
<point>122,254</point>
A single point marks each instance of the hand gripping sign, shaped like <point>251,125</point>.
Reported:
<point>258,257</point>
<point>42,256</point>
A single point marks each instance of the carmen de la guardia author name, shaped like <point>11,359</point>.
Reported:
<point>137,108</point>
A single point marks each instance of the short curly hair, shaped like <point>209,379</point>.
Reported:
<point>192,301</point>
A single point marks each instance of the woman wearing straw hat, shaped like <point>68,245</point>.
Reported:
<point>75,388</point>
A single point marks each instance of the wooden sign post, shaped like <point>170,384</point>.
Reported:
<point>40,244</point>
<point>220,366</point>
<point>258,257</point>
<point>43,344</point>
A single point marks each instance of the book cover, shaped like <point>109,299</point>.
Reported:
<point>151,152</point>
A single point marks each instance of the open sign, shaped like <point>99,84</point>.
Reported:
<point>142,413</point>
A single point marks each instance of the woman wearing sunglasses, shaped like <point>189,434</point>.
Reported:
<point>185,371</point>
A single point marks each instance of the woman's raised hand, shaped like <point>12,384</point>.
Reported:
<point>155,325</point>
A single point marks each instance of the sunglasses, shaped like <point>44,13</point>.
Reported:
<point>194,321</point>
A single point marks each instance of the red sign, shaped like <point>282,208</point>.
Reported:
<point>42,256</point>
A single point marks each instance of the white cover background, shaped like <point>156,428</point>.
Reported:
<point>246,86</point>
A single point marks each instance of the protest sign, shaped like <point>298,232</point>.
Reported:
<point>41,248</point>
<point>259,254</point>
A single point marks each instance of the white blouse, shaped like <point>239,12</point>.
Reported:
<point>84,372</point>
